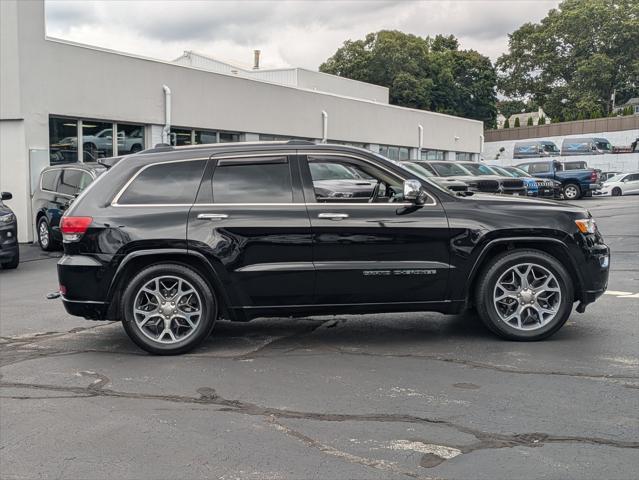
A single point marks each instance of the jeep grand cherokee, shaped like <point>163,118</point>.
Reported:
<point>171,239</point>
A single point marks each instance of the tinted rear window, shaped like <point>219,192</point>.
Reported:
<point>166,183</point>
<point>239,182</point>
<point>71,181</point>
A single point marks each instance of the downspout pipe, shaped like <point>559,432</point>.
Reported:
<point>420,137</point>
<point>166,131</point>
<point>324,126</point>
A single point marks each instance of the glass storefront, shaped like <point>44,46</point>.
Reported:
<point>395,153</point>
<point>229,137</point>
<point>97,140</point>
<point>464,157</point>
<point>205,136</point>
<point>130,138</point>
<point>432,155</point>
<point>180,136</point>
<point>63,140</point>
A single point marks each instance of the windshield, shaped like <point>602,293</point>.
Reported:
<point>516,172</point>
<point>550,147</point>
<point>478,169</point>
<point>603,145</point>
<point>331,171</point>
<point>405,166</point>
<point>449,169</point>
<point>416,168</point>
<point>616,178</point>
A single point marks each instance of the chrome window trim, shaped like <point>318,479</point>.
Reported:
<point>114,202</point>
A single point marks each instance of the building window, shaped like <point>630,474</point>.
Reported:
<point>130,138</point>
<point>394,153</point>
<point>180,136</point>
<point>432,155</point>
<point>63,140</point>
<point>205,136</point>
<point>229,137</point>
<point>464,157</point>
<point>97,140</point>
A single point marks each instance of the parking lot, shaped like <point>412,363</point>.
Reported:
<point>379,396</point>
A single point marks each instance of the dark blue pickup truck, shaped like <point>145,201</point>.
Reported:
<point>577,180</point>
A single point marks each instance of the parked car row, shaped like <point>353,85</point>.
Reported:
<point>569,146</point>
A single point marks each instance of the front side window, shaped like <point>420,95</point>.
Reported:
<point>173,183</point>
<point>367,183</point>
<point>331,171</point>
<point>247,181</point>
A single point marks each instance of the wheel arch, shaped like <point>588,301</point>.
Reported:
<point>135,261</point>
<point>552,246</point>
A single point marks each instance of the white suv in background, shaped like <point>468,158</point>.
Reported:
<point>622,184</point>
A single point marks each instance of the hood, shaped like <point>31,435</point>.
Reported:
<point>524,202</point>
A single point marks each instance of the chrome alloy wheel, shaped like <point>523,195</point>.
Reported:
<point>527,296</point>
<point>571,192</point>
<point>167,309</point>
<point>43,232</point>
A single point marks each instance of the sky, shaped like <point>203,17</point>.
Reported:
<point>300,33</point>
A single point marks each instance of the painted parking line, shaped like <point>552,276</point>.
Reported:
<point>619,294</point>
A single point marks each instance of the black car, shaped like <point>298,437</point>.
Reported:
<point>171,239</point>
<point>507,184</point>
<point>57,188</point>
<point>9,251</point>
<point>546,187</point>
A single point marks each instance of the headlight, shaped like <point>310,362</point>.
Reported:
<point>7,218</point>
<point>586,225</point>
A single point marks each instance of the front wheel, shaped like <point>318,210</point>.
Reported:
<point>524,295</point>
<point>168,309</point>
<point>616,192</point>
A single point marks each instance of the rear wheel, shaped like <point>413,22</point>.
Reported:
<point>45,236</point>
<point>616,192</point>
<point>571,191</point>
<point>168,309</point>
<point>524,295</point>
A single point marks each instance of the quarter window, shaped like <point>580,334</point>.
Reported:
<point>174,183</point>
<point>242,181</point>
<point>49,180</point>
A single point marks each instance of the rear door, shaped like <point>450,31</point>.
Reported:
<point>375,248</point>
<point>632,185</point>
<point>250,221</point>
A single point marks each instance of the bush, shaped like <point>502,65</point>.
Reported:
<point>530,122</point>
<point>506,124</point>
<point>542,120</point>
<point>517,124</point>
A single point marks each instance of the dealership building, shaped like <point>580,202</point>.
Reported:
<point>54,92</point>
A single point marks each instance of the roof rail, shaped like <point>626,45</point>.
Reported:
<point>299,142</point>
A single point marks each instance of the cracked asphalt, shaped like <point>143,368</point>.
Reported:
<point>362,397</point>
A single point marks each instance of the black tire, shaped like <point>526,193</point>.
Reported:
<point>205,322</point>
<point>45,235</point>
<point>489,278</point>
<point>616,192</point>
<point>13,264</point>
<point>571,191</point>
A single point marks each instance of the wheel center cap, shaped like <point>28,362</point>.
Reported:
<point>527,295</point>
<point>167,310</point>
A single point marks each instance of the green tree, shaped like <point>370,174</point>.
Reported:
<point>510,107</point>
<point>530,122</point>
<point>542,120</point>
<point>517,123</point>
<point>423,73</point>
<point>506,124</point>
<point>584,48</point>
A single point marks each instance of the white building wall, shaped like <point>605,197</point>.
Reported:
<point>62,78</point>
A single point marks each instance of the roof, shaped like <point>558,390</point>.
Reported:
<point>632,101</point>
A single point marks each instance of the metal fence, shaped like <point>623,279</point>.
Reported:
<point>578,127</point>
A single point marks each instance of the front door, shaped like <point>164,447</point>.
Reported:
<point>251,222</point>
<point>369,246</point>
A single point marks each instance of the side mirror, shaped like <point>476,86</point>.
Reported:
<point>6,196</point>
<point>413,192</point>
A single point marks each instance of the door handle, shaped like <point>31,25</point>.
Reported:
<point>333,216</point>
<point>212,216</point>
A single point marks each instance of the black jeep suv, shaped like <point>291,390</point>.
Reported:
<point>171,239</point>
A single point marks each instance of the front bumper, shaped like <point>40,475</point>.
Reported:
<point>594,268</point>
<point>9,249</point>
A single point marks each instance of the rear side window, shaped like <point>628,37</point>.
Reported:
<point>538,168</point>
<point>71,181</point>
<point>166,183</point>
<point>49,180</point>
<point>242,181</point>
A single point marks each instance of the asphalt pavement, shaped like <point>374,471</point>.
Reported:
<point>361,397</point>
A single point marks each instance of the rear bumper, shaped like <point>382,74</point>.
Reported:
<point>84,281</point>
<point>90,310</point>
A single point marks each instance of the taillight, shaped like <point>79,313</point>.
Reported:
<point>73,228</point>
<point>594,177</point>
